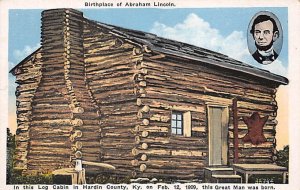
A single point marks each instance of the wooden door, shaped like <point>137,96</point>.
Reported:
<point>218,135</point>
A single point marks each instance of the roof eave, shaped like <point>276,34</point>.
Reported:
<point>23,61</point>
<point>264,74</point>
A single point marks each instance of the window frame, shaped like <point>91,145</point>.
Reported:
<point>177,121</point>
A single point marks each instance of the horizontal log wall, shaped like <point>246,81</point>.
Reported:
<point>28,77</point>
<point>172,84</point>
<point>110,69</point>
<point>103,98</point>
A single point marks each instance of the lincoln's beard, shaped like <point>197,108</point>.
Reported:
<point>264,48</point>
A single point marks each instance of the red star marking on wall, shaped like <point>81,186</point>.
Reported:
<point>255,126</point>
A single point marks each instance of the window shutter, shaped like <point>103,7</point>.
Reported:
<point>187,124</point>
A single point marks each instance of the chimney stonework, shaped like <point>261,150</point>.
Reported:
<point>63,113</point>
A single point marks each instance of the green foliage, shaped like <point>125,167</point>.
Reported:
<point>10,142</point>
<point>14,176</point>
<point>103,179</point>
<point>30,179</point>
<point>10,150</point>
<point>283,157</point>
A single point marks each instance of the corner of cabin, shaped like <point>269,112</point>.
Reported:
<point>190,94</point>
<point>28,61</point>
<point>28,75</point>
<point>115,79</point>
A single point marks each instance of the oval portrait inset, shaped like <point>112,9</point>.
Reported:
<point>265,37</point>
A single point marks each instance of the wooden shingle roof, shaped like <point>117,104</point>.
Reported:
<point>188,51</point>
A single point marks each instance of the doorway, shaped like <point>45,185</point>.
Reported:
<point>218,119</point>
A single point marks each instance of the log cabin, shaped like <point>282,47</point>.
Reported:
<point>152,107</point>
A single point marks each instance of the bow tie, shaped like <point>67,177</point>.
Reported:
<point>266,59</point>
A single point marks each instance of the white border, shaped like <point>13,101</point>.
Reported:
<point>294,62</point>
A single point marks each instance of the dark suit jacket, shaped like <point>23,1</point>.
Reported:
<point>259,58</point>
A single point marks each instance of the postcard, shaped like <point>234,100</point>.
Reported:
<point>140,95</point>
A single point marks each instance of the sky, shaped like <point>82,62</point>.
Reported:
<point>219,29</point>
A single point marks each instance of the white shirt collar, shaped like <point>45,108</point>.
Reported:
<point>266,53</point>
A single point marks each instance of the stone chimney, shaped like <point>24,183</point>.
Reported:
<point>62,104</point>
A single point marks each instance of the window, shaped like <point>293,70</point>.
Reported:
<point>181,123</point>
<point>177,123</point>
